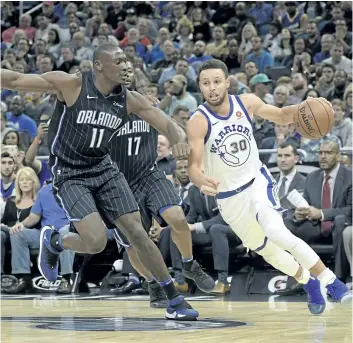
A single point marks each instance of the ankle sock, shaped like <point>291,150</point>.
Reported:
<point>304,277</point>
<point>169,289</point>
<point>326,277</point>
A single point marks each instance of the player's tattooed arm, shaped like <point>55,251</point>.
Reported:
<point>256,106</point>
<point>137,103</point>
<point>197,128</point>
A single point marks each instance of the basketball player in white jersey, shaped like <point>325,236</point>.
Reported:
<point>224,162</point>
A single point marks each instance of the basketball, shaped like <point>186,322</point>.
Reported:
<point>314,118</point>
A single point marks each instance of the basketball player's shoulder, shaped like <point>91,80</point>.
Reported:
<point>197,123</point>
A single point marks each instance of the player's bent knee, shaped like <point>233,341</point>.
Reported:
<point>97,246</point>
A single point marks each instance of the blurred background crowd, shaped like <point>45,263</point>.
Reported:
<point>282,51</point>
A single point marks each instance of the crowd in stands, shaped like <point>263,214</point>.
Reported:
<point>284,52</point>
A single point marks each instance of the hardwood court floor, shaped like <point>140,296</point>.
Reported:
<point>72,320</point>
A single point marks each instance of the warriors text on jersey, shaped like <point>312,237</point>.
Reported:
<point>231,154</point>
<point>134,148</point>
<point>79,135</point>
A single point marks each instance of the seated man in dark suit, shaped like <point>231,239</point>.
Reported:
<point>207,228</point>
<point>288,179</point>
<point>328,191</point>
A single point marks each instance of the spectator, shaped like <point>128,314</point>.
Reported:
<point>104,29</point>
<point>325,83</point>
<point>165,160</point>
<point>328,215</point>
<point>223,14</point>
<point>54,42</point>
<point>262,129</point>
<point>342,127</point>
<point>288,178</point>
<point>232,59</point>
<point>285,47</point>
<point>339,61</point>
<point>129,22</point>
<point>299,48</point>
<point>185,31</point>
<point>218,48</point>
<point>8,176</point>
<point>176,95</point>
<point>116,14</point>
<point>201,26</point>
<point>157,52</point>
<point>261,58</point>
<point>283,134</point>
<point>251,70</point>
<point>181,67</point>
<point>300,86</point>
<point>272,40</point>
<point>340,82</point>
<point>48,11</point>
<point>170,53</point>
<point>248,32</point>
<point>46,64</point>
<point>38,107</point>
<point>179,10</point>
<point>181,115</point>
<point>236,23</point>
<point>342,35</point>
<point>45,212</point>
<point>236,87</point>
<point>25,25</point>
<point>67,58</point>
<point>260,86</point>
<point>19,120</point>
<point>17,210</point>
<point>4,126</point>
<point>81,52</point>
<point>12,137</point>
<point>199,56</point>
<point>294,19</point>
<point>280,96</point>
<point>327,41</point>
<point>152,90</point>
<point>313,37</point>
<point>263,14</point>
<point>43,28</point>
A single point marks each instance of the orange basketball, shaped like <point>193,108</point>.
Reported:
<point>314,118</point>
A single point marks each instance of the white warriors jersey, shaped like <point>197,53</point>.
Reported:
<point>231,155</point>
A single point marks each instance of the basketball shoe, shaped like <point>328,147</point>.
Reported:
<point>179,309</point>
<point>316,302</point>
<point>339,292</point>
<point>202,280</point>
<point>48,257</point>
<point>157,297</point>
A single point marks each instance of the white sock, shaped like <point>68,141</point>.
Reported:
<point>304,277</point>
<point>326,277</point>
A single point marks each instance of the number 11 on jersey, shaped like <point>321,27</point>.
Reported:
<point>96,142</point>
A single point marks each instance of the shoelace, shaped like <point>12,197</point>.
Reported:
<point>200,274</point>
<point>158,292</point>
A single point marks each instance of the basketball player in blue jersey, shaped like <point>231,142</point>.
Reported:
<point>91,107</point>
<point>134,149</point>
<point>224,162</point>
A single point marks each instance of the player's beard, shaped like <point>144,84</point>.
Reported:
<point>219,102</point>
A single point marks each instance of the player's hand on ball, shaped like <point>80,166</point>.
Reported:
<point>181,151</point>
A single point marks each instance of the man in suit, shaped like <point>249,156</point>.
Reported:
<point>347,243</point>
<point>207,228</point>
<point>288,178</point>
<point>328,191</point>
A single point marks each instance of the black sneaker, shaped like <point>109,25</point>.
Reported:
<point>65,286</point>
<point>203,281</point>
<point>158,298</point>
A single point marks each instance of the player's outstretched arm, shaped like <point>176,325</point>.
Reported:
<point>196,131</point>
<point>283,116</point>
<point>54,81</point>
<point>137,103</point>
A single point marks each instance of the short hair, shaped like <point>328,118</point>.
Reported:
<point>130,46</point>
<point>213,64</point>
<point>335,146</point>
<point>180,108</point>
<point>67,46</point>
<point>102,48</point>
<point>181,59</point>
<point>328,65</point>
<point>152,85</point>
<point>312,21</point>
<point>337,44</point>
<point>289,144</point>
<point>6,154</point>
